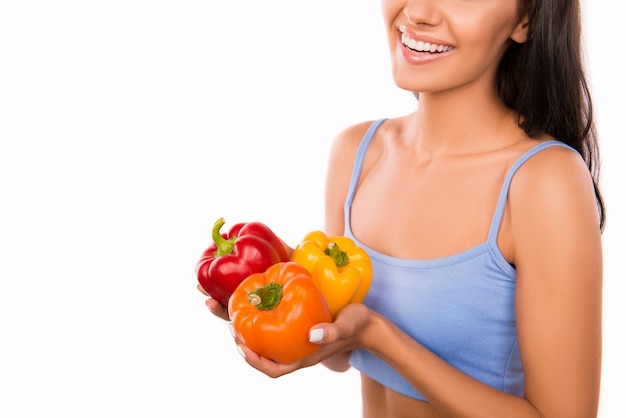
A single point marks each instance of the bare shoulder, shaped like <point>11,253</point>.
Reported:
<point>339,170</point>
<point>343,153</point>
<point>552,202</point>
<point>345,144</point>
<point>554,175</point>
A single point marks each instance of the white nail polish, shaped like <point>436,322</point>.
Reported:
<point>231,328</point>
<point>316,335</point>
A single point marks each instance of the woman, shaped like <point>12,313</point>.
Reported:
<point>482,215</point>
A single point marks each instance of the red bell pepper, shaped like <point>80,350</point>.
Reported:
<point>246,249</point>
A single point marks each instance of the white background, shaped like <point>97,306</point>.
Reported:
<point>128,127</point>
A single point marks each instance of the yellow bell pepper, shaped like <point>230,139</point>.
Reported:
<point>341,270</point>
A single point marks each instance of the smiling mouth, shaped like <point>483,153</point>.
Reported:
<point>423,47</point>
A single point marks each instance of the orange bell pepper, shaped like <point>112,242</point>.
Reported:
<point>341,270</point>
<point>272,312</point>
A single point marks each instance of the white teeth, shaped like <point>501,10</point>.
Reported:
<point>423,46</point>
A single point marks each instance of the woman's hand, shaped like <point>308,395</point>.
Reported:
<point>349,331</point>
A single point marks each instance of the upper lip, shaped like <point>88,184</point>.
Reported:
<point>416,38</point>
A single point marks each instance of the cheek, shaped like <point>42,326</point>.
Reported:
<point>492,27</point>
<point>390,10</point>
<point>485,35</point>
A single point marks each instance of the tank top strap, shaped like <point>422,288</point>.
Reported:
<point>358,166</point>
<point>497,217</point>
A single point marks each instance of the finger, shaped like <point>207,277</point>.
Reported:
<point>318,334</point>
<point>231,328</point>
<point>201,289</point>
<point>346,325</point>
<point>264,365</point>
<point>350,320</point>
<point>217,309</point>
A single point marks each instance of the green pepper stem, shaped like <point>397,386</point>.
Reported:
<point>339,257</point>
<point>224,246</point>
<point>267,297</point>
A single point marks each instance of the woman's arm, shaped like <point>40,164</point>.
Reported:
<point>558,256</point>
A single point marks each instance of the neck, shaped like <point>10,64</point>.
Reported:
<point>455,122</point>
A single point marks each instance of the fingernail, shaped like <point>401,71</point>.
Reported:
<point>316,335</point>
<point>240,351</point>
<point>231,328</point>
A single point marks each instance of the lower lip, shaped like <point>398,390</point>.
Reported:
<point>417,58</point>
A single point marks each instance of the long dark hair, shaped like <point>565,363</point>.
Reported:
<point>544,81</point>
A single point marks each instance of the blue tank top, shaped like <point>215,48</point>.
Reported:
<point>461,307</point>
